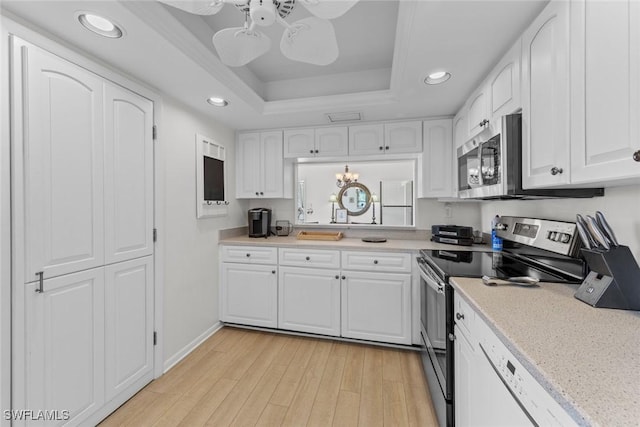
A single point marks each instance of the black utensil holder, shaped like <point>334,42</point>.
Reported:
<point>614,280</point>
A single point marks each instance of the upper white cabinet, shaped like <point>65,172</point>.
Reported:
<point>392,138</point>
<point>504,86</point>
<point>436,171</point>
<point>545,98</point>
<point>320,142</point>
<point>63,164</point>
<point>260,166</point>
<point>605,91</point>
<point>128,172</point>
<point>478,118</point>
<point>366,139</point>
<point>460,132</point>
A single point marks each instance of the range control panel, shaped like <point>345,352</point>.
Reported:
<point>555,236</point>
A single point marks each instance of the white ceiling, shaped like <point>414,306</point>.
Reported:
<point>387,47</point>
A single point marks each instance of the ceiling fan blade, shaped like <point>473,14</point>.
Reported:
<point>198,7</point>
<point>311,40</point>
<point>328,9</point>
<point>238,46</point>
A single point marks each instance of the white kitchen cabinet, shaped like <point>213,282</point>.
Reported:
<point>128,172</point>
<point>478,117</point>
<point>605,91</point>
<point>376,306</point>
<point>63,145</point>
<point>128,325</point>
<point>366,139</point>
<point>468,382</point>
<point>504,86</point>
<point>299,143</point>
<point>435,172</point>
<point>320,258</point>
<point>321,142</point>
<point>249,294</point>
<point>460,131</point>
<point>389,262</point>
<point>64,345</point>
<point>249,254</point>
<point>403,137</point>
<point>260,168</point>
<point>309,300</point>
<point>545,99</point>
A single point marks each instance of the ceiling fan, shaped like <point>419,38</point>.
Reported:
<point>311,40</point>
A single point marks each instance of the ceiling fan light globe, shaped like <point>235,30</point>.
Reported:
<point>263,12</point>
<point>312,40</point>
<point>328,9</point>
<point>197,7</point>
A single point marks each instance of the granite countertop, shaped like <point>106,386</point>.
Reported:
<point>587,358</point>
<point>391,245</point>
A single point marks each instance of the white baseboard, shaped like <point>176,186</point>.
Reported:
<point>184,352</point>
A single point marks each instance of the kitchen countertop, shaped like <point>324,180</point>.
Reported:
<point>391,245</point>
<point>587,358</point>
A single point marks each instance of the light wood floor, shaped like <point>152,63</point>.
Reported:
<point>248,378</point>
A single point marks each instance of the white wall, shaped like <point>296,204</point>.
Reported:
<point>191,245</point>
<point>621,206</point>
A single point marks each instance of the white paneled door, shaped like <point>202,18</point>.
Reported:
<point>128,175</point>
<point>65,347</point>
<point>63,165</point>
<point>128,324</point>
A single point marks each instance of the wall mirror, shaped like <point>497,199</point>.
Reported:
<point>373,193</point>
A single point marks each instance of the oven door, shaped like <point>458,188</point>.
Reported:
<point>433,316</point>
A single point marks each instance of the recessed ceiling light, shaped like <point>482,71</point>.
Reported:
<point>437,78</point>
<point>99,25</point>
<point>218,102</point>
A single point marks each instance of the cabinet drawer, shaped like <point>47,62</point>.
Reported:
<point>376,261</point>
<point>250,254</point>
<point>464,317</point>
<point>310,257</point>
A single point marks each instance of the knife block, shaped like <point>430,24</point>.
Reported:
<point>614,279</point>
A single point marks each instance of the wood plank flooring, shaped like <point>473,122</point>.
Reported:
<point>249,378</point>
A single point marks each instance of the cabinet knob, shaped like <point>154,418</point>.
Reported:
<point>261,193</point>
<point>316,151</point>
<point>257,194</point>
<point>636,156</point>
<point>337,277</point>
<point>375,261</point>
<point>248,255</point>
<point>381,148</point>
<point>273,272</point>
<point>311,151</point>
<point>307,258</point>
<point>343,277</point>
<point>459,316</point>
<point>556,171</point>
<point>386,148</point>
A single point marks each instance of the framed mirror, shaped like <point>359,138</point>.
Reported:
<point>355,198</point>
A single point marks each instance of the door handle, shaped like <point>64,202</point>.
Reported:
<point>40,288</point>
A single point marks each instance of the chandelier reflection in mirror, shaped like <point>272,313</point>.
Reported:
<point>346,177</point>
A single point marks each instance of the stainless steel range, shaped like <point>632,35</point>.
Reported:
<point>540,249</point>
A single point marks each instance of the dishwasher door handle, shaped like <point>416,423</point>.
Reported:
<point>504,382</point>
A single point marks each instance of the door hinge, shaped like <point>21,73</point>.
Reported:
<point>154,132</point>
<point>155,234</point>
<point>155,338</point>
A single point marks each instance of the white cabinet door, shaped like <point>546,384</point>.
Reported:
<point>403,137</point>
<point>605,108</point>
<point>128,324</point>
<point>436,175</point>
<point>332,141</point>
<point>64,339</point>
<point>249,294</point>
<point>504,85</point>
<point>460,131</point>
<point>309,300</point>
<point>376,306</point>
<point>272,175</point>
<point>248,160</point>
<point>128,184</point>
<point>545,99</point>
<point>366,139</point>
<point>467,396</point>
<point>63,161</point>
<point>299,143</point>
<point>477,112</point>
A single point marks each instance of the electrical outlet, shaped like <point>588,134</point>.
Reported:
<point>448,210</point>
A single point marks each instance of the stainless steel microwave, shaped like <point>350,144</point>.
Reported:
<point>492,169</point>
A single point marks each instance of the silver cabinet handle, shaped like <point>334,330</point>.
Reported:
<point>556,171</point>
<point>40,288</point>
<point>636,156</point>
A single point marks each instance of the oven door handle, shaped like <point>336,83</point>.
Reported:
<point>429,277</point>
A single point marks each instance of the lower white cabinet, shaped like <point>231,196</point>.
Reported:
<point>309,300</point>
<point>467,381</point>
<point>65,346</point>
<point>249,294</point>
<point>376,306</point>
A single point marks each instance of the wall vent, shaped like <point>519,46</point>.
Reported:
<point>344,117</point>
